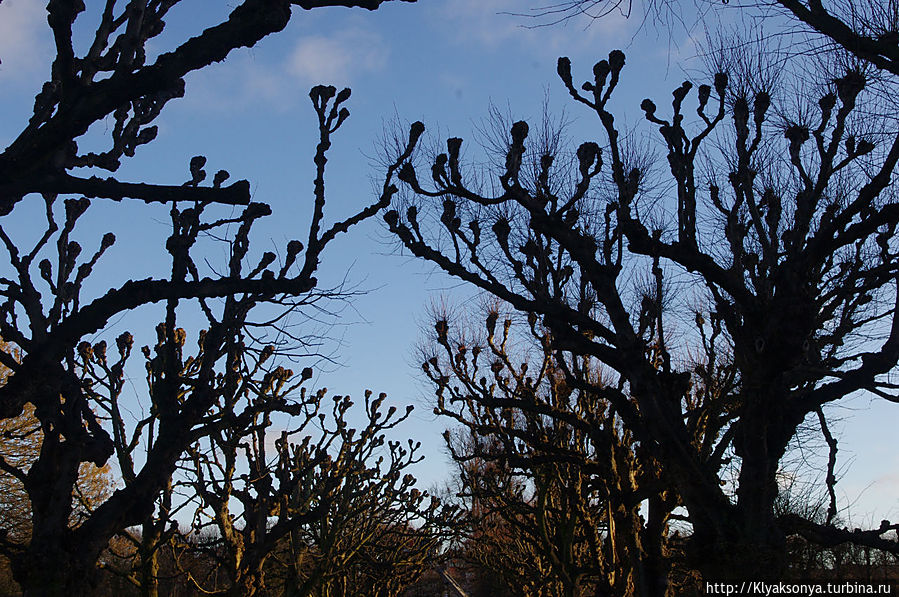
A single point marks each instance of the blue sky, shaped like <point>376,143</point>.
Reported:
<point>437,61</point>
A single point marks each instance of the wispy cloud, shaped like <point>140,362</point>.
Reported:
<point>493,23</point>
<point>337,59</point>
<point>23,46</point>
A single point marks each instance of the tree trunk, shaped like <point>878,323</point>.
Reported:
<point>744,541</point>
<point>149,574</point>
<point>250,581</point>
<point>53,571</point>
<point>655,564</point>
<point>54,564</point>
<point>151,534</point>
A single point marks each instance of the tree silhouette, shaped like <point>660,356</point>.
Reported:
<point>319,497</point>
<point>49,304</point>
<point>786,221</point>
<point>546,454</point>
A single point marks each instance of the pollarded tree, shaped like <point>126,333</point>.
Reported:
<point>47,306</point>
<point>400,555</point>
<point>787,222</point>
<point>376,532</point>
<point>80,424</point>
<point>535,528</point>
<point>135,551</point>
<point>20,442</point>
<point>321,488</point>
<point>546,454</point>
<point>502,541</point>
<point>242,484</point>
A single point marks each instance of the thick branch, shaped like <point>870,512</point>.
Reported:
<point>237,193</point>
<point>828,536</point>
<point>883,53</point>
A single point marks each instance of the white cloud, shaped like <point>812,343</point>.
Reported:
<point>249,78</point>
<point>480,21</point>
<point>22,47</point>
<point>337,59</point>
<point>498,22</point>
<point>240,82</point>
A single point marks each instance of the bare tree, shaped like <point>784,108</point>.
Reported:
<point>317,489</point>
<point>399,556</point>
<point>787,224</point>
<point>544,452</point>
<point>244,479</point>
<point>538,530</point>
<point>377,533</point>
<point>20,444</point>
<point>135,551</point>
<point>869,30</point>
<point>50,377</point>
<point>47,309</point>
